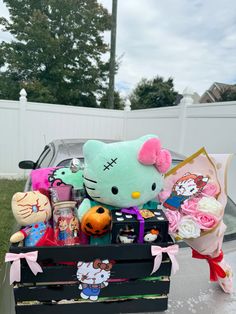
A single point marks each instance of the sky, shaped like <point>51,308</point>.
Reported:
<point>192,41</point>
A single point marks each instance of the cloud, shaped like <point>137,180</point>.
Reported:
<point>191,41</point>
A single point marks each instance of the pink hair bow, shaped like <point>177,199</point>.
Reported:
<point>15,270</point>
<point>151,153</point>
<point>170,250</point>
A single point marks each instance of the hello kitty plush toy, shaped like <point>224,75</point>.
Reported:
<point>93,276</point>
<point>123,174</point>
<point>33,211</point>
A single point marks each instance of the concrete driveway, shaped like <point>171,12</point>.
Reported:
<point>192,292</point>
<point>7,304</point>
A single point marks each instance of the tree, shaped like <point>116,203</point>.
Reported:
<point>227,94</point>
<point>56,54</point>
<point>153,93</point>
<point>119,102</point>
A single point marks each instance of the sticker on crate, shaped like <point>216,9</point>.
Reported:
<point>92,277</point>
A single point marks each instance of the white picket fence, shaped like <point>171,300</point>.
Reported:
<point>26,127</point>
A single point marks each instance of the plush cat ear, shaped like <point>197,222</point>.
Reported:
<point>91,148</point>
<point>79,264</point>
<point>17,196</point>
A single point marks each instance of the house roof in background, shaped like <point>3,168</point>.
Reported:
<point>213,94</point>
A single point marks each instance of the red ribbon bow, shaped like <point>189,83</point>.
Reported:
<point>104,266</point>
<point>215,269</point>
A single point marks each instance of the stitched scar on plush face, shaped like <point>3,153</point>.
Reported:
<point>30,207</point>
<point>124,174</point>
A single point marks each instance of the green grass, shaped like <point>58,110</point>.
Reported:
<point>7,221</point>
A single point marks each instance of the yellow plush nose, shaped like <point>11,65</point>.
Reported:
<point>135,195</point>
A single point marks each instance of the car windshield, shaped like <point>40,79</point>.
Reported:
<point>67,162</point>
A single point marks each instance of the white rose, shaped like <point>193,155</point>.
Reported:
<point>211,206</point>
<point>188,228</point>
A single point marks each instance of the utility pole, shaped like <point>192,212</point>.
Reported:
<point>112,56</point>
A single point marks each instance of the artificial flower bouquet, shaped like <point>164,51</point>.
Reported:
<point>194,198</point>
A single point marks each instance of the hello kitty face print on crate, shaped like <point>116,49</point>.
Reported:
<point>92,277</point>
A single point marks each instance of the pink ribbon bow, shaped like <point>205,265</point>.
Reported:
<point>170,250</point>
<point>151,153</point>
<point>15,270</point>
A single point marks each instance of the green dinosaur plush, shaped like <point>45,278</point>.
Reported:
<point>66,176</point>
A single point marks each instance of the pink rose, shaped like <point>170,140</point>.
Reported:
<point>173,217</point>
<point>206,221</point>
<point>189,207</point>
<point>210,189</point>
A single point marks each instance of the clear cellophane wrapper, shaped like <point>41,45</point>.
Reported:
<point>208,245</point>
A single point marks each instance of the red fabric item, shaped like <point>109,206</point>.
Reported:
<point>215,269</point>
<point>44,192</point>
<point>47,239</point>
<point>24,233</point>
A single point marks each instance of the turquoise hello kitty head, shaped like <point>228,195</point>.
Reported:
<point>125,174</point>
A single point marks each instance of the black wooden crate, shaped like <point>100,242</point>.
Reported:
<point>55,291</point>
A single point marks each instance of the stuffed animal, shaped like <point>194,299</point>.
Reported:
<point>126,236</point>
<point>151,236</point>
<point>66,176</point>
<point>123,174</point>
<point>44,178</point>
<point>96,221</point>
<point>31,210</point>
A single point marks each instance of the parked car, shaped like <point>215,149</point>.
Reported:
<point>57,153</point>
<point>60,153</point>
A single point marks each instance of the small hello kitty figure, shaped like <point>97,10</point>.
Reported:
<point>151,236</point>
<point>93,277</point>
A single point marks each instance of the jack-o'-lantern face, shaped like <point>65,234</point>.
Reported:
<point>97,221</point>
